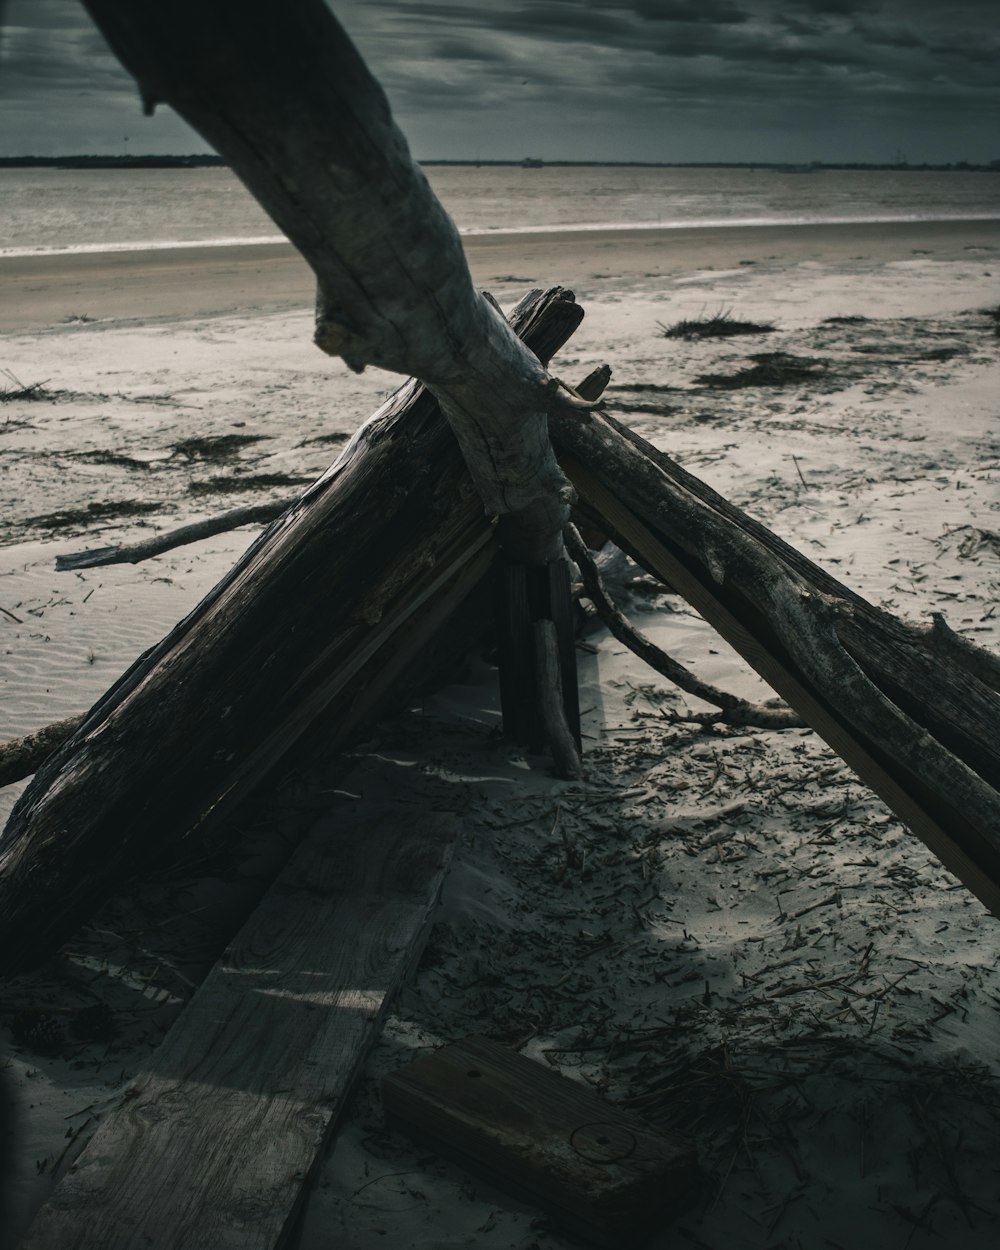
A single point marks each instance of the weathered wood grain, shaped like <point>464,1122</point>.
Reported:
<point>918,724</point>
<point>308,617</point>
<point>213,1146</point>
<point>603,1174</point>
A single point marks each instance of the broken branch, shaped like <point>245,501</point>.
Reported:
<point>133,553</point>
<point>733,710</point>
<point>20,757</point>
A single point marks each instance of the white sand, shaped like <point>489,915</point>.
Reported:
<point>726,929</point>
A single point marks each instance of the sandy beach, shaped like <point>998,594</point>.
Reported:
<point>721,930</point>
<point>49,289</point>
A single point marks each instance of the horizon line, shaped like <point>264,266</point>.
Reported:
<point>213,159</point>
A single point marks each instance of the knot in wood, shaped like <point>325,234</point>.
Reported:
<point>600,1142</point>
<point>336,340</point>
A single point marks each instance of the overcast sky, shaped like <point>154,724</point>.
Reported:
<point>651,80</point>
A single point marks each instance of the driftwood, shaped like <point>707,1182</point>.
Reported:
<point>287,100</point>
<point>607,1177</point>
<point>188,730</point>
<point>548,682</point>
<point>732,710</point>
<point>324,617</point>
<point>913,710</point>
<point>135,553</point>
<point>20,757</point>
<point>217,1136</point>
<point>310,623</point>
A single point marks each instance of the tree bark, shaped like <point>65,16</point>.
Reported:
<point>20,757</point>
<point>282,94</point>
<point>910,710</point>
<point>319,618</point>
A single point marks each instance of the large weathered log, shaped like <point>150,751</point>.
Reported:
<point>282,94</point>
<point>919,728</point>
<point>317,618</point>
<point>912,711</point>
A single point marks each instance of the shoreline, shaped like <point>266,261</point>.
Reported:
<point>472,232</point>
<point>53,289</point>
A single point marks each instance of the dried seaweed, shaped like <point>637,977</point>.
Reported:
<point>769,369</point>
<point>720,325</point>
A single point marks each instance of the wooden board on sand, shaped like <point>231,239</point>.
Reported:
<point>213,1147</point>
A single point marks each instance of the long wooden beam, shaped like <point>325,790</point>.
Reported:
<point>916,717</point>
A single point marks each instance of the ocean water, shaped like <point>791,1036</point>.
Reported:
<point>96,210</point>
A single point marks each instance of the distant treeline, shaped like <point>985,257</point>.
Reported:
<point>200,160</point>
<point>110,162</point>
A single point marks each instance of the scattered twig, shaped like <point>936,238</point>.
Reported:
<point>733,710</point>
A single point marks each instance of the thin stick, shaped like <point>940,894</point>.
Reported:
<point>733,710</point>
<point>133,553</point>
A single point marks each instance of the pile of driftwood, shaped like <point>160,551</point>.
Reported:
<point>457,493</point>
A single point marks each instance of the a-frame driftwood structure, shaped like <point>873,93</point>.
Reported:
<point>330,613</point>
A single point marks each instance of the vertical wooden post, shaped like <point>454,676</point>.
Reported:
<point>526,594</point>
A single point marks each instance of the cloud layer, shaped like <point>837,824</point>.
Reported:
<point>656,80</point>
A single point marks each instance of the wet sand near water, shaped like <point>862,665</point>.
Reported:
<point>47,290</point>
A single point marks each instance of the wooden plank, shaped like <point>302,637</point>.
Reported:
<point>526,594</point>
<point>512,612</point>
<point>560,612</point>
<point>213,1147</point>
<point>604,1175</point>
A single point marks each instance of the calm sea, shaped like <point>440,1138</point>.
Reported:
<point>74,210</point>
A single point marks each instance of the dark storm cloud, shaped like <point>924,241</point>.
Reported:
<point>453,48</point>
<point>889,36</point>
<point>686,10</point>
<point>646,79</point>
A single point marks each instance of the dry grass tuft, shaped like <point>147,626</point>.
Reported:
<point>720,325</point>
<point>16,389</point>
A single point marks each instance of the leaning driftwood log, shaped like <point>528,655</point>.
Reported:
<point>284,96</point>
<point>915,713</point>
<point>321,617</point>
